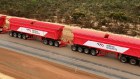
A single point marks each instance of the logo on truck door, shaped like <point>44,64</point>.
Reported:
<point>106,46</point>
<point>32,31</point>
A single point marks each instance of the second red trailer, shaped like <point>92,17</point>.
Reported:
<point>126,48</point>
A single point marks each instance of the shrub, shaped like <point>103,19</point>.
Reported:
<point>119,16</point>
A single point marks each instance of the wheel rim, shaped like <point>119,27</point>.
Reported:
<point>80,49</point>
<point>19,35</point>
<point>93,52</point>
<point>15,35</point>
<point>45,42</point>
<point>133,61</point>
<point>11,34</point>
<point>51,43</point>
<point>73,48</point>
<point>56,44</point>
<point>123,59</point>
<point>24,36</point>
<point>86,51</point>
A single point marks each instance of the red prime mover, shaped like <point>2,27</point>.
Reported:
<point>127,49</point>
<point>26,28</point>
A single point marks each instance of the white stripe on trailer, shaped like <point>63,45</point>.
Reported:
<point>106,46</point>
<point>32,31</point>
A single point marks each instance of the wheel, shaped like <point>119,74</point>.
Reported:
<point>73,48</point>
<point>123,59</point>
<point>19,35</point>
<point>11,33</point>
<point>45,41</point>
<point>24,36</point>
<point>93,52</point>
<point>15,34</point>
<point>0,30</point>
<point>80,49</point>
<point>51,43</point>
<point>133,61</point>
<point>86,50</point>
<point>56,44</point>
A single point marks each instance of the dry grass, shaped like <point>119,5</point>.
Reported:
<point>67,35</point>
<point>7,22</point>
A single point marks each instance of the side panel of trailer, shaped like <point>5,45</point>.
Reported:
<point>39,28</point>
<point>2,22</point>
<point>108,42</point>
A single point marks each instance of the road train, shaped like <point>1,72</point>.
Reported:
<point>126,49</point>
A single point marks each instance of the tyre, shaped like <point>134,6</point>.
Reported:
<point>86,50</point>
<point>19,35</point>
<point>45,41</point>
<point>0,30</point>
<point>56,44</point>
<point>51,43</point>
<point>15,34</point>
<point>24,36</point>
<point>80,49</point>
<point>74,48</point>
<point>93,52</point>
<point>11,33</point>
<point>123,59</point>
<point>133,61</point>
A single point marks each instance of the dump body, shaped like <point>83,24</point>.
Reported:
<point>39,28</point>
<point>108,42</point>
<point>2,22</point>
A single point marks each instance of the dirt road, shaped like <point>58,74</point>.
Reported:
<point>3,76</point>
<point>26,67</point>
<point>104,66</point>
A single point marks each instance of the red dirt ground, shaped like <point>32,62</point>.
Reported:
<point>22,66</point>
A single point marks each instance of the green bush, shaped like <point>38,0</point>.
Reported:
<point>119,16</point>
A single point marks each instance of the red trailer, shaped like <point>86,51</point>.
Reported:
<point>49,33</point>
<point>2,23</point>
<point>127,49</point>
